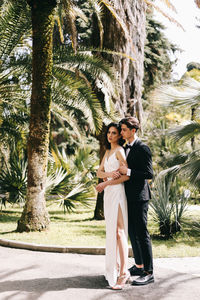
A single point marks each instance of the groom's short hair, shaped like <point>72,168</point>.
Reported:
<point>130,122</point>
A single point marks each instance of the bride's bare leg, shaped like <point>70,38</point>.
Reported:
<point>122,243</point>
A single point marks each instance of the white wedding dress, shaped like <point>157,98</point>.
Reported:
<point>114,195</point>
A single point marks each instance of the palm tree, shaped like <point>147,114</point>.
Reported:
<point>35,215</point>
<point>71,77</point>
<point>14,116</point>
<point>188,94</point>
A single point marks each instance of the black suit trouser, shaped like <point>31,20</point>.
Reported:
<point>139,235</point>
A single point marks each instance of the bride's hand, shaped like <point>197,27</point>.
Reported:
<point>101,186</point>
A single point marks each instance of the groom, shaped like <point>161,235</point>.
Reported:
<point>137,190</point>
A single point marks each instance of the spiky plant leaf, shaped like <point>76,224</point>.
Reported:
<point>79,195</point>
<point>13,177</point>
<point>184,133</point>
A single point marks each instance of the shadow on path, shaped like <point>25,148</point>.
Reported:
<point>37,287</point>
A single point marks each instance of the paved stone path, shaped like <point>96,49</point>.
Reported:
<point>32,275</point>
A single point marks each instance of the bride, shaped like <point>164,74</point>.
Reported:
<point>115,209</point>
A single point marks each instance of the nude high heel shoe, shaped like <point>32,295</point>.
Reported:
<point>122,280</point>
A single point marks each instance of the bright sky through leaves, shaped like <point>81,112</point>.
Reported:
<point>189,41</point>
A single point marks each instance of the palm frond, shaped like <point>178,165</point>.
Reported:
<point>191,169</point>
<point>59,112</point>
<point>97,8</point>
<point>184,133</point>
<point>13,177</point>
<point>168,3</point>
<point>108,51</point>
<point>78,195</point>
<point>83,97</point>
<point>65,185</point>
<point>85,61</point>
<point>186,94</point>
<point>54,179</point>
<point>15,25</point>
<point>71,18</point>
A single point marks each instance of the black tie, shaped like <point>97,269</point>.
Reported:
<point>128,147</point>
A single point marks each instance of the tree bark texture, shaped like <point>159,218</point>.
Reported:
<point>130,73</point>
<point>35,216</point>
<point>99,211</point>
<point>130,42</point>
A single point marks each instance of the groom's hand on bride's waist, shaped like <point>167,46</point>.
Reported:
<point>123,169</point>
<point>116,174</point>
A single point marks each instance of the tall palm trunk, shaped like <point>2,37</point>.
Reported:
<point>35,216</point>
<point>130,41</point>
<point>130,73</point>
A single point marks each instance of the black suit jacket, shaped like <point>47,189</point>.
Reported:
<point>140,162</point>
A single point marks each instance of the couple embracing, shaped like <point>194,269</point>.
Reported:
<point>125,172</point>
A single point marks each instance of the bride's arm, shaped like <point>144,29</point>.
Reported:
<point>101,186</point>
<point>101,172</point>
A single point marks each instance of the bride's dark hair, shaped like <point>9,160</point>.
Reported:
<point>118,127</point>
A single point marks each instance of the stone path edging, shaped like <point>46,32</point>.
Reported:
<point>53,248</point>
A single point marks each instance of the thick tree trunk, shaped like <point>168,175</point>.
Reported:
<point>130,42</point>
<point>35,216</point>
<point>99,212</point>
<point>130,73</point>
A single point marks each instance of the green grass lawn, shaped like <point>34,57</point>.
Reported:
<point>79,229</point>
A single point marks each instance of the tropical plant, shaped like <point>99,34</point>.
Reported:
<point>71,180</point>
<point>71,76</point>
<point>168,204</point>
<point>13,176</point>
<point>187,94</point>
<point>72,91</point>
<point>14,32</point>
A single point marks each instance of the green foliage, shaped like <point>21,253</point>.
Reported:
<point>191,168</point>
<point>71,180</point>
<point>63,187</point>
<point>184,133</point>
<point>14,31</point>
<point>193,65</point>
<point>15,26</point>
<point>187,93</point>
<point>13,176</point>
<point>168,204</point>
<point>84,25</point>
<point>80,229</point>
<point>158,52</point>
